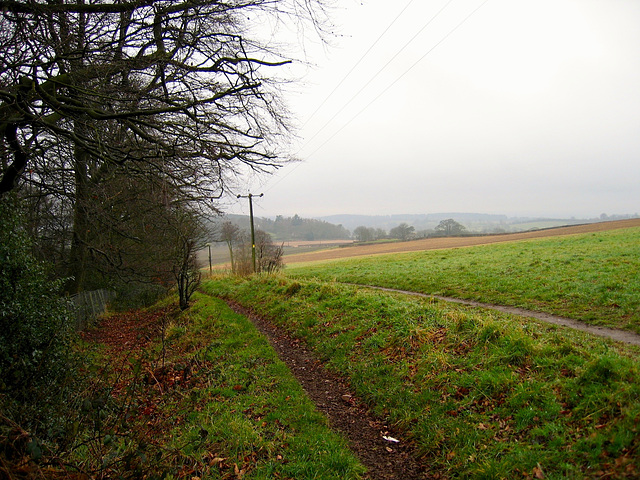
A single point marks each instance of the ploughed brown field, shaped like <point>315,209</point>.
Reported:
<point>454,242</point>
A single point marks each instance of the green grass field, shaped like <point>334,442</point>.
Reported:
<point>212,401</point>
<point>256,414</point>
<point>594,277</point>
<point>481,394</point>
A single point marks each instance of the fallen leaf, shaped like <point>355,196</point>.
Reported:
<point>537,472</point>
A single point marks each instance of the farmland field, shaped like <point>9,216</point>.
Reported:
<point>455,242</point>
<point>477,393</point>
<point>590,277</point>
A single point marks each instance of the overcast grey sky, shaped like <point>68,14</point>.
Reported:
<point>517,107</point>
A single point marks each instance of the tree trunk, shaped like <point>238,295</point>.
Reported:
<point>14,170</point>
<point>233,270</point>
<point>79,251</point>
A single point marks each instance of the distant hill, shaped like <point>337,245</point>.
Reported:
<point>338,227</point>
<point>474,222</point>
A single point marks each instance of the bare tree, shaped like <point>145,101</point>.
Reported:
<point>268,255</point>
<point>230,234</point>
<point>450,227</point>
<point>186,231</point>
<point>403,231</point>
<point>172,80</point>
<point>89,90</point>
<point>364,234</point>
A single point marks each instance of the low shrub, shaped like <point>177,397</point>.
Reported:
<point>36,331</point>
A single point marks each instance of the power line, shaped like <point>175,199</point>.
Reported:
<point>378,72</point>
<point>386,89</point>
<point>357,63</point>
<point>398,78</point>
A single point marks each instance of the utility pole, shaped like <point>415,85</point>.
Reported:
<point>253,234</point>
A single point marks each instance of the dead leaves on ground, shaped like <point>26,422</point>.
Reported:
<point>154,389</point>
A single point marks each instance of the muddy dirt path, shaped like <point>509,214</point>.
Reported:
<point>385,453</point>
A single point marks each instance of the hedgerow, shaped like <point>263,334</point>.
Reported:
<point>36,357</point>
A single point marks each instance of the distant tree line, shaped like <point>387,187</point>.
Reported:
<point>298,228</point>
<point>290,228</point>
<point>404,231</point>
<point>369,234</point>
<point>450,227</point>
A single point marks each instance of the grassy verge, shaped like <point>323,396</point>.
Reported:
<point>593,277</point>
<point>482,395</point>
<point>210,401</point>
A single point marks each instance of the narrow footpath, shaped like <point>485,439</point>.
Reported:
<point>385,453</point>
<point>611,333</point>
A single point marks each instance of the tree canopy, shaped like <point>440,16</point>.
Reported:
<point>102,99</point>
<point>171,83</point>
<point>450,227</point>
<point>403,231</point>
